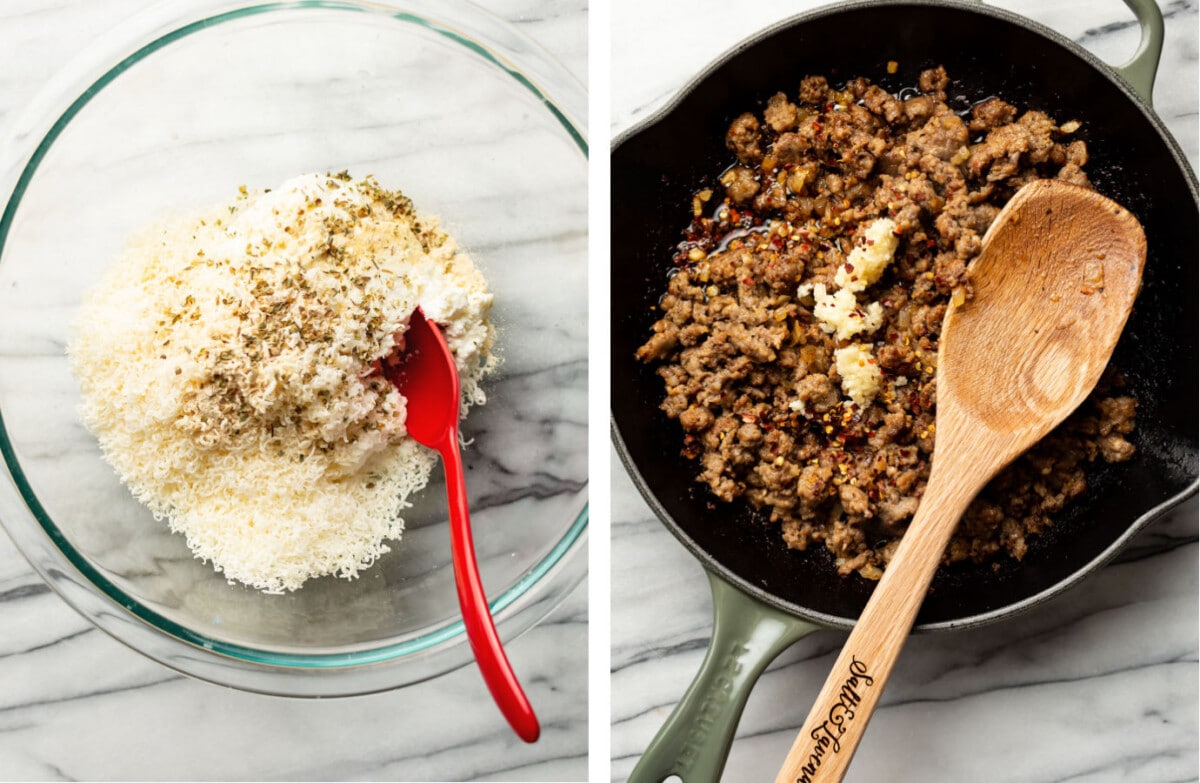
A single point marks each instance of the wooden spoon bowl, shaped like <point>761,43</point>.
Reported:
<point>1053,288</point>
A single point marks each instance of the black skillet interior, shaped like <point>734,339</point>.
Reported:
<point>656,170</point>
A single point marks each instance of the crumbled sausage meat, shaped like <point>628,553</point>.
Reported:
<point>744,138</point>
<point>992,113</point>
<point>742,184</point>
<point>934,82</point>
<point>750,375</point>
<point>781,114</point>
<point>814,90</point>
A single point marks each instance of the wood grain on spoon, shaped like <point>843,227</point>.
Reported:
<point>1053,287</point>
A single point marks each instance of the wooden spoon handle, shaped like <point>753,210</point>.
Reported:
<point>826,743</point>
<point>477,616</point>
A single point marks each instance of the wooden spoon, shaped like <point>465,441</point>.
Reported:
<point>425,374</point>
<point>1053,287</point>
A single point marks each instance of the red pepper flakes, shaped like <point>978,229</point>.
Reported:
<point>930,243</point>
<point>748,280</point>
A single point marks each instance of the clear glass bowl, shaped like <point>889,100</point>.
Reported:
<point>175,111</point>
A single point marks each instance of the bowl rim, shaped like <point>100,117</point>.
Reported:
<point>483,35</point>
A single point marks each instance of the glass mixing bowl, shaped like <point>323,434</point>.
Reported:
<point>472,121</point>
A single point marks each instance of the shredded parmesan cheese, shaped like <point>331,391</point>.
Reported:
<point>228,366</point>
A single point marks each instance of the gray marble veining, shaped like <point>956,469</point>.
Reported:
<point>1099,685</point>
<point>74,704</point>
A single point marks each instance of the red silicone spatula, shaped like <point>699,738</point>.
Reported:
<point>425,374</point>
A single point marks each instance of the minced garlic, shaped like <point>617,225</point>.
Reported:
<point>840,314</point>
<point>869,257</point>
<point>861,376</point>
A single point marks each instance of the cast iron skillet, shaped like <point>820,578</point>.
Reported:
<point>765,596</point>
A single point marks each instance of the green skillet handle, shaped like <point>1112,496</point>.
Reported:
<point>695,740</point>
<point>1141,69</point>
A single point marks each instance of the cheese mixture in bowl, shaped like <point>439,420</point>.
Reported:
<point>228,362</point>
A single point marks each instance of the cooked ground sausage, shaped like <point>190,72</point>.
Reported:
<point>744,137</point>
<point>750,374</point>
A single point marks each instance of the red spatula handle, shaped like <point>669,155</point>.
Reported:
<point>477,616</point>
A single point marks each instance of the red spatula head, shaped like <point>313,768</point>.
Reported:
<point>424,373</point>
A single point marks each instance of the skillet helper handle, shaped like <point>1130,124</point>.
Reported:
<point>1141,69</point>
<point>695,740</point>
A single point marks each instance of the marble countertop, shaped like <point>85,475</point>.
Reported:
<point>75,704</point>
<point>1099,685</point>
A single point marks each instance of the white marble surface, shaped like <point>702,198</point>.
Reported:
<point>74,704</point>
<point>1100,685</point>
